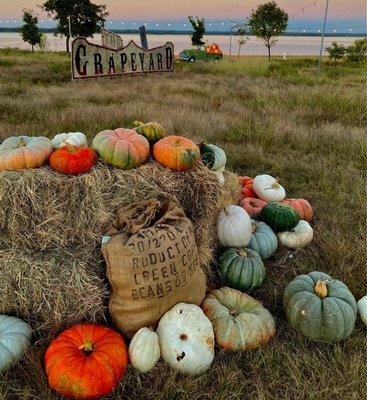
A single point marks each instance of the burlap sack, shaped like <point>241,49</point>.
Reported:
<point>152,264</point>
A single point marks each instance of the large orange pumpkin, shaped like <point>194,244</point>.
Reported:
<point>302,206</point>
<point>86,361</point>
<point>176,152</point>
<point>246,187</point>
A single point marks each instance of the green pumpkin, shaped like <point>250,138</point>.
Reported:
<point>213,157</point>
<point>242,269</point>
<point>280,217</point>
<point>320,307</point>
<point>263,240</point>
<point>153,131</point>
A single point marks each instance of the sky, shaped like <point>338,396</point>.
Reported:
<point>156,10</point>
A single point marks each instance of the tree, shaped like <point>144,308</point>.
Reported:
<point>241,38</point>
<point>358,50</point>
<point>29,31</point>
<point>267,22</point>
<point>336,51</point>
<point>86,18</point>
<point>198,25</point>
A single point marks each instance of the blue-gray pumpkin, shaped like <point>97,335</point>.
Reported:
<point>263,240</point>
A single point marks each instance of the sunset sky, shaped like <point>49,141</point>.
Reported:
<point>210,9</point>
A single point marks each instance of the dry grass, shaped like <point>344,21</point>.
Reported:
<point>279,118</point>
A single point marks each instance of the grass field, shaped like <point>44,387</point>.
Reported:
<point>280,118</point>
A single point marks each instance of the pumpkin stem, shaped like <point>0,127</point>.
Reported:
<point>70,147</point>
<point>275,185</point>
<point>253,227</point>
<point>242,252</point>
<point>87,347</point>
<point>138,123</point>
<point>321,289</point>
<point>234,313</point>
<point>21,142</point>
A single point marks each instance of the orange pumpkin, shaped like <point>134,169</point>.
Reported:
<point>176,152</point>
<point>302,206</point>
<point>252,206</point>
<point>247,190</point>
<point>86,361</point>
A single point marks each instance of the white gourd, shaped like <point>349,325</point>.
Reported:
<point>298,237</point>
<point>74,138</point>
<point>219,174</point>
<point>144,350</point>
<point>362,309</point>
<point>268,188</point>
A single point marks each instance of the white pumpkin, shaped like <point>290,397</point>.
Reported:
<point>219,174</point>
<point>234,228</point>
<point>74,138</point>
<point>144,350</point>
<point>362,309</point>
<point>15,336</point>
<point>268,188</point>
<point>186,338</point>
<point>298,237</point>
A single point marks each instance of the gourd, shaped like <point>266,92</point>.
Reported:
<point>73,160</point>
<point>320,307</point>
<point>144,351</point>
<point>153,131</point>
<point>239,321</point>
<point>176,152</point>
<point>247,187</point>
<point>24,152</point>
<point>252,206</point>
<point>86,361</point>
<point>302,206</point>
<point>234,227</point>
<point>362,309</point>
<point>298,237</point>
<point>74,138</point>
<point>213,156</point>
<point>242,269</point>
<point>280,217</point>
<point>122,148</point>
<point>263,240</point>
<point>15,337</point>
<point>267,188</point>
<point>186,339</point>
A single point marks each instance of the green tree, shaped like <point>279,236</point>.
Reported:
<point>267,22</point>
<point>336,51</point>
<point>29,31</point>
<point>358,50</point>
<point>198,25</point>
<point>86,18</point>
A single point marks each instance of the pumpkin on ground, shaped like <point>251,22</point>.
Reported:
<point>320,307</point>
<point>240,322</point>
<point>263,240</point>
<point>74,138</point>
<point>144,351</point>
<point>122,148</point>
<point>73,160</point>
<point>22,152</point>
<point>15,337</point>
<point>280,217</point>
<point>302,206</point>
<point>252,206</point>
<point>362,309</point>
<point>213,156</point>
<point>299,236</point>
<point>242,269</point>
<point>234,227</point>
<point>247,187</point>
<point>153,131</point>
<point>267,188</point>
<point>176,152</point>
<point>86,361</point>
<point>186,339</point>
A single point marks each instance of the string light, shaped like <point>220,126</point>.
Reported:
<point>302,10</point>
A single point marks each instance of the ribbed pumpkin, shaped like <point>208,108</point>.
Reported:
<point>144,351</point>
<point>176,152</point>
<point>263,240</point>
<point>268,188</point>
<point>300,236</point>
<point>252,206</point>
<point>280,217</point>
<point>320,307</point>
<point>153,131</point>
<point>213,156</point>
<point>122,148</point>
<point>302,206</point>
<point>24,152</point>
<point>242,269</point>
<point>239,321</point>
<point>73,160</point>
<point>86,361</point>
<point>77,139</point>
<point>246,187</point>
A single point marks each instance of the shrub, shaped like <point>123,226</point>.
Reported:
<point>336,51</point>
<point>358,50</point>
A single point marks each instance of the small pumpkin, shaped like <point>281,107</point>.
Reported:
<point>176,152</point>
<point>77,139</point>
<point>280,217</point>
<point>144,351</point>
<point>234,227</point>
<point>252,206</point>
<point>186,339</point>
<point>15,337</point>
<point>263,240</point>
<point>299,236</point>
<point>86,361</point>
<point>73,160</point>
<point>213,156</point>
<point>242,269</point>
<point>302,206</point>
<point>153,131</point>
<point>362,309</point>
<point>22,152</point>
<point>239,321</point>
<point>247,187</point>
<point>122,148</point>
<point>268,188</point>
<point>320,307</point>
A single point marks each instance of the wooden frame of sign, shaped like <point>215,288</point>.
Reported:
<point>90,60</point>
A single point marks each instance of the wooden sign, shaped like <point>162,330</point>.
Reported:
<point>110,39</point>
<point>91,60</point>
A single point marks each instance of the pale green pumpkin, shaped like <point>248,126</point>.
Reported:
<point>263,240</point>
<point>213,156</point>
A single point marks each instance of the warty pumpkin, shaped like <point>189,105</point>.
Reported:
<point>280,217</point>
<point>302,206</point>
<point>153,131</point>
<point>263,240</point>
